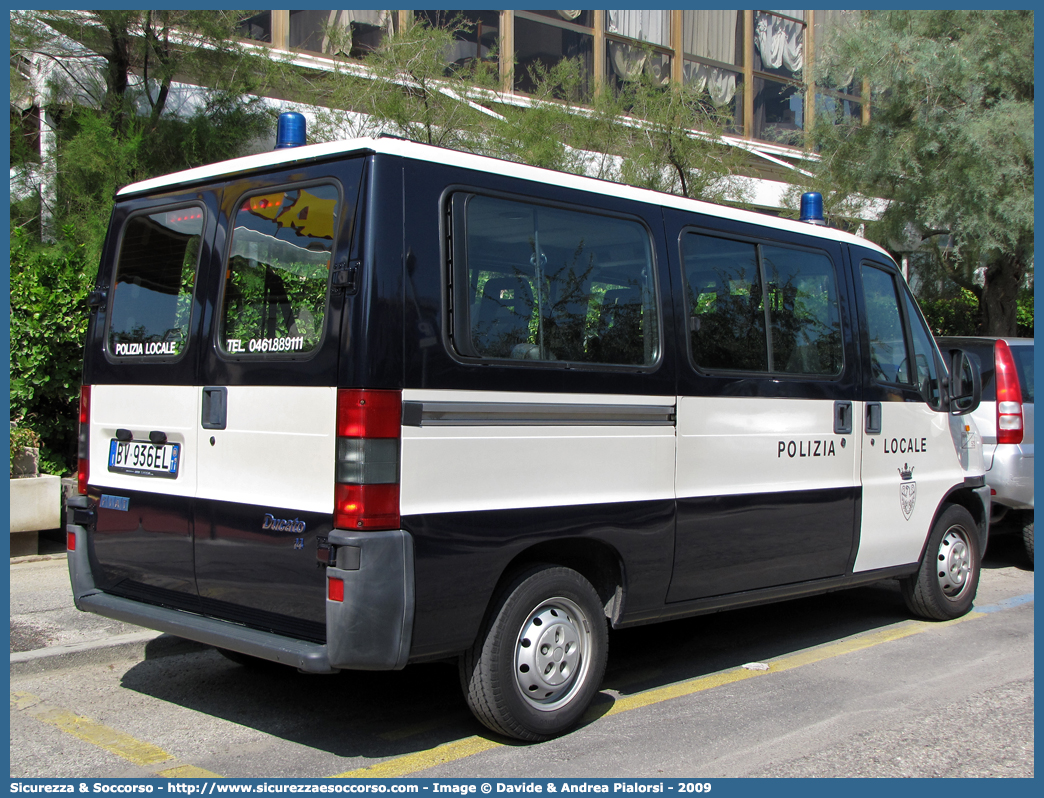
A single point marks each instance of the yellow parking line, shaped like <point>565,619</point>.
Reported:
<point>422,760</point>
<point>775,666</point>
<point>450,752</point>
<point>115,742</point>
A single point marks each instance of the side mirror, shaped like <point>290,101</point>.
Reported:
<point>965,383</point>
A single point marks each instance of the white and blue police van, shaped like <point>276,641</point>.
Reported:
<point>369,403</point>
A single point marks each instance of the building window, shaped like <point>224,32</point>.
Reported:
<point>840,101</point>
<point>475,34</point>
<point>637,45</point>
<point>542,40</point>
<point>257,27</point>
<point>712,44</point>
<point>353,33</point>
<point>779,57</point>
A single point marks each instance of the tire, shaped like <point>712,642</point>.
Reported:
<point>540,658</point>
<point>1027,536</point>
<point>944,586</point>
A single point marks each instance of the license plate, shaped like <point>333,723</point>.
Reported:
<point>145,459</point>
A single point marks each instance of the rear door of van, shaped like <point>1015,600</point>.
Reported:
<point>140,364</point>
<point>213,372</point>
<point>267,395</point>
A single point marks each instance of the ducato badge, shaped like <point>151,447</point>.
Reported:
<point>283,524</point>
<point>907,490</point>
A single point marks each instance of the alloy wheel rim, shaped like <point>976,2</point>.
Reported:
<point>954,565</point>
<point>552,654</point>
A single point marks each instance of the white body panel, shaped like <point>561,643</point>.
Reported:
<point>731,445</point>
<point>173,409</point>
<point>462,468</point>
<point>277,450</point>
<point>913,436</point>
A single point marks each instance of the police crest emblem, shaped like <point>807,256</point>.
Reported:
<point>907,490</point>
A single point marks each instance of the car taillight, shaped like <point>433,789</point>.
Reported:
<point>1009,397</point>
<point>366,493</point>
<point>83,461</point>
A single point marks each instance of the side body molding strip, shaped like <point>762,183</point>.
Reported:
<point>534,414</point>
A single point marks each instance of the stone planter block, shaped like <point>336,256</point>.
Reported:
<point>36,503</point>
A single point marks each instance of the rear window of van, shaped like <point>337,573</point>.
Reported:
<point>155,278</point>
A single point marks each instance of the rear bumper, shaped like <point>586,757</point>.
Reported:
<point>1011,476</point>
<point>370,630</point>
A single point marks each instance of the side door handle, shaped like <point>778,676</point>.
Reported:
<point>215,407</point>
<point>842,418</point>
<point>873,418</point>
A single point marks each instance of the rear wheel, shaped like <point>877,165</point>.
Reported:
<point>944,586</point>
<point>540,658</point>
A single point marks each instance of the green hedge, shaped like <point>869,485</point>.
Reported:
<point>49,286</point>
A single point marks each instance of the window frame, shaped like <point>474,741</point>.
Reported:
<point>452,322</point>
<point>111,356</point>
<point>758,242</point>
<point>218,335</point>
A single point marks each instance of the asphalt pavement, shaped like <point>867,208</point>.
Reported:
<point>854,688</point>
<point>48,631</point>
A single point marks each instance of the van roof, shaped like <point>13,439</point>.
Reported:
<point>482,163</point>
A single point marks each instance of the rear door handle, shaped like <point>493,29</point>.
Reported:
<point>215,407</point>
<point>842,418</point>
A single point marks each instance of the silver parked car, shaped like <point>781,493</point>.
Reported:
<point>1005,420</point>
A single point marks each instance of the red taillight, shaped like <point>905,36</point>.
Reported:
<point>70,541</point>
<point>1009,397</point>
<point>366,506</point>
<point>83,462</point>
<point>335,589</point>
<point>366,493</point>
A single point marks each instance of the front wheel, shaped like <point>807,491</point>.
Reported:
<point>944,586</point>
<point>539,661</point>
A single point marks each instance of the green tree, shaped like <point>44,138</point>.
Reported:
<point>949,145</point>
<point>408,90</point>
<point>108,104</point>
<point>660,147</point>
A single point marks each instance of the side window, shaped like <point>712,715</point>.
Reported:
<point>888,353</point>
<point>899,354</point>
<point>738,290</point>
<point>278,271</point>
<point>727,317</point>
<point>532,282</point>
<point>803,312</point>
<point>152,290</point>
<point>924,372</point>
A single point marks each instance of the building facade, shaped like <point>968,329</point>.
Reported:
<point>753,63</point>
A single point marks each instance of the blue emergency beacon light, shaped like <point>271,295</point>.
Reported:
<point>812,208</point>
<point>290,130</point>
